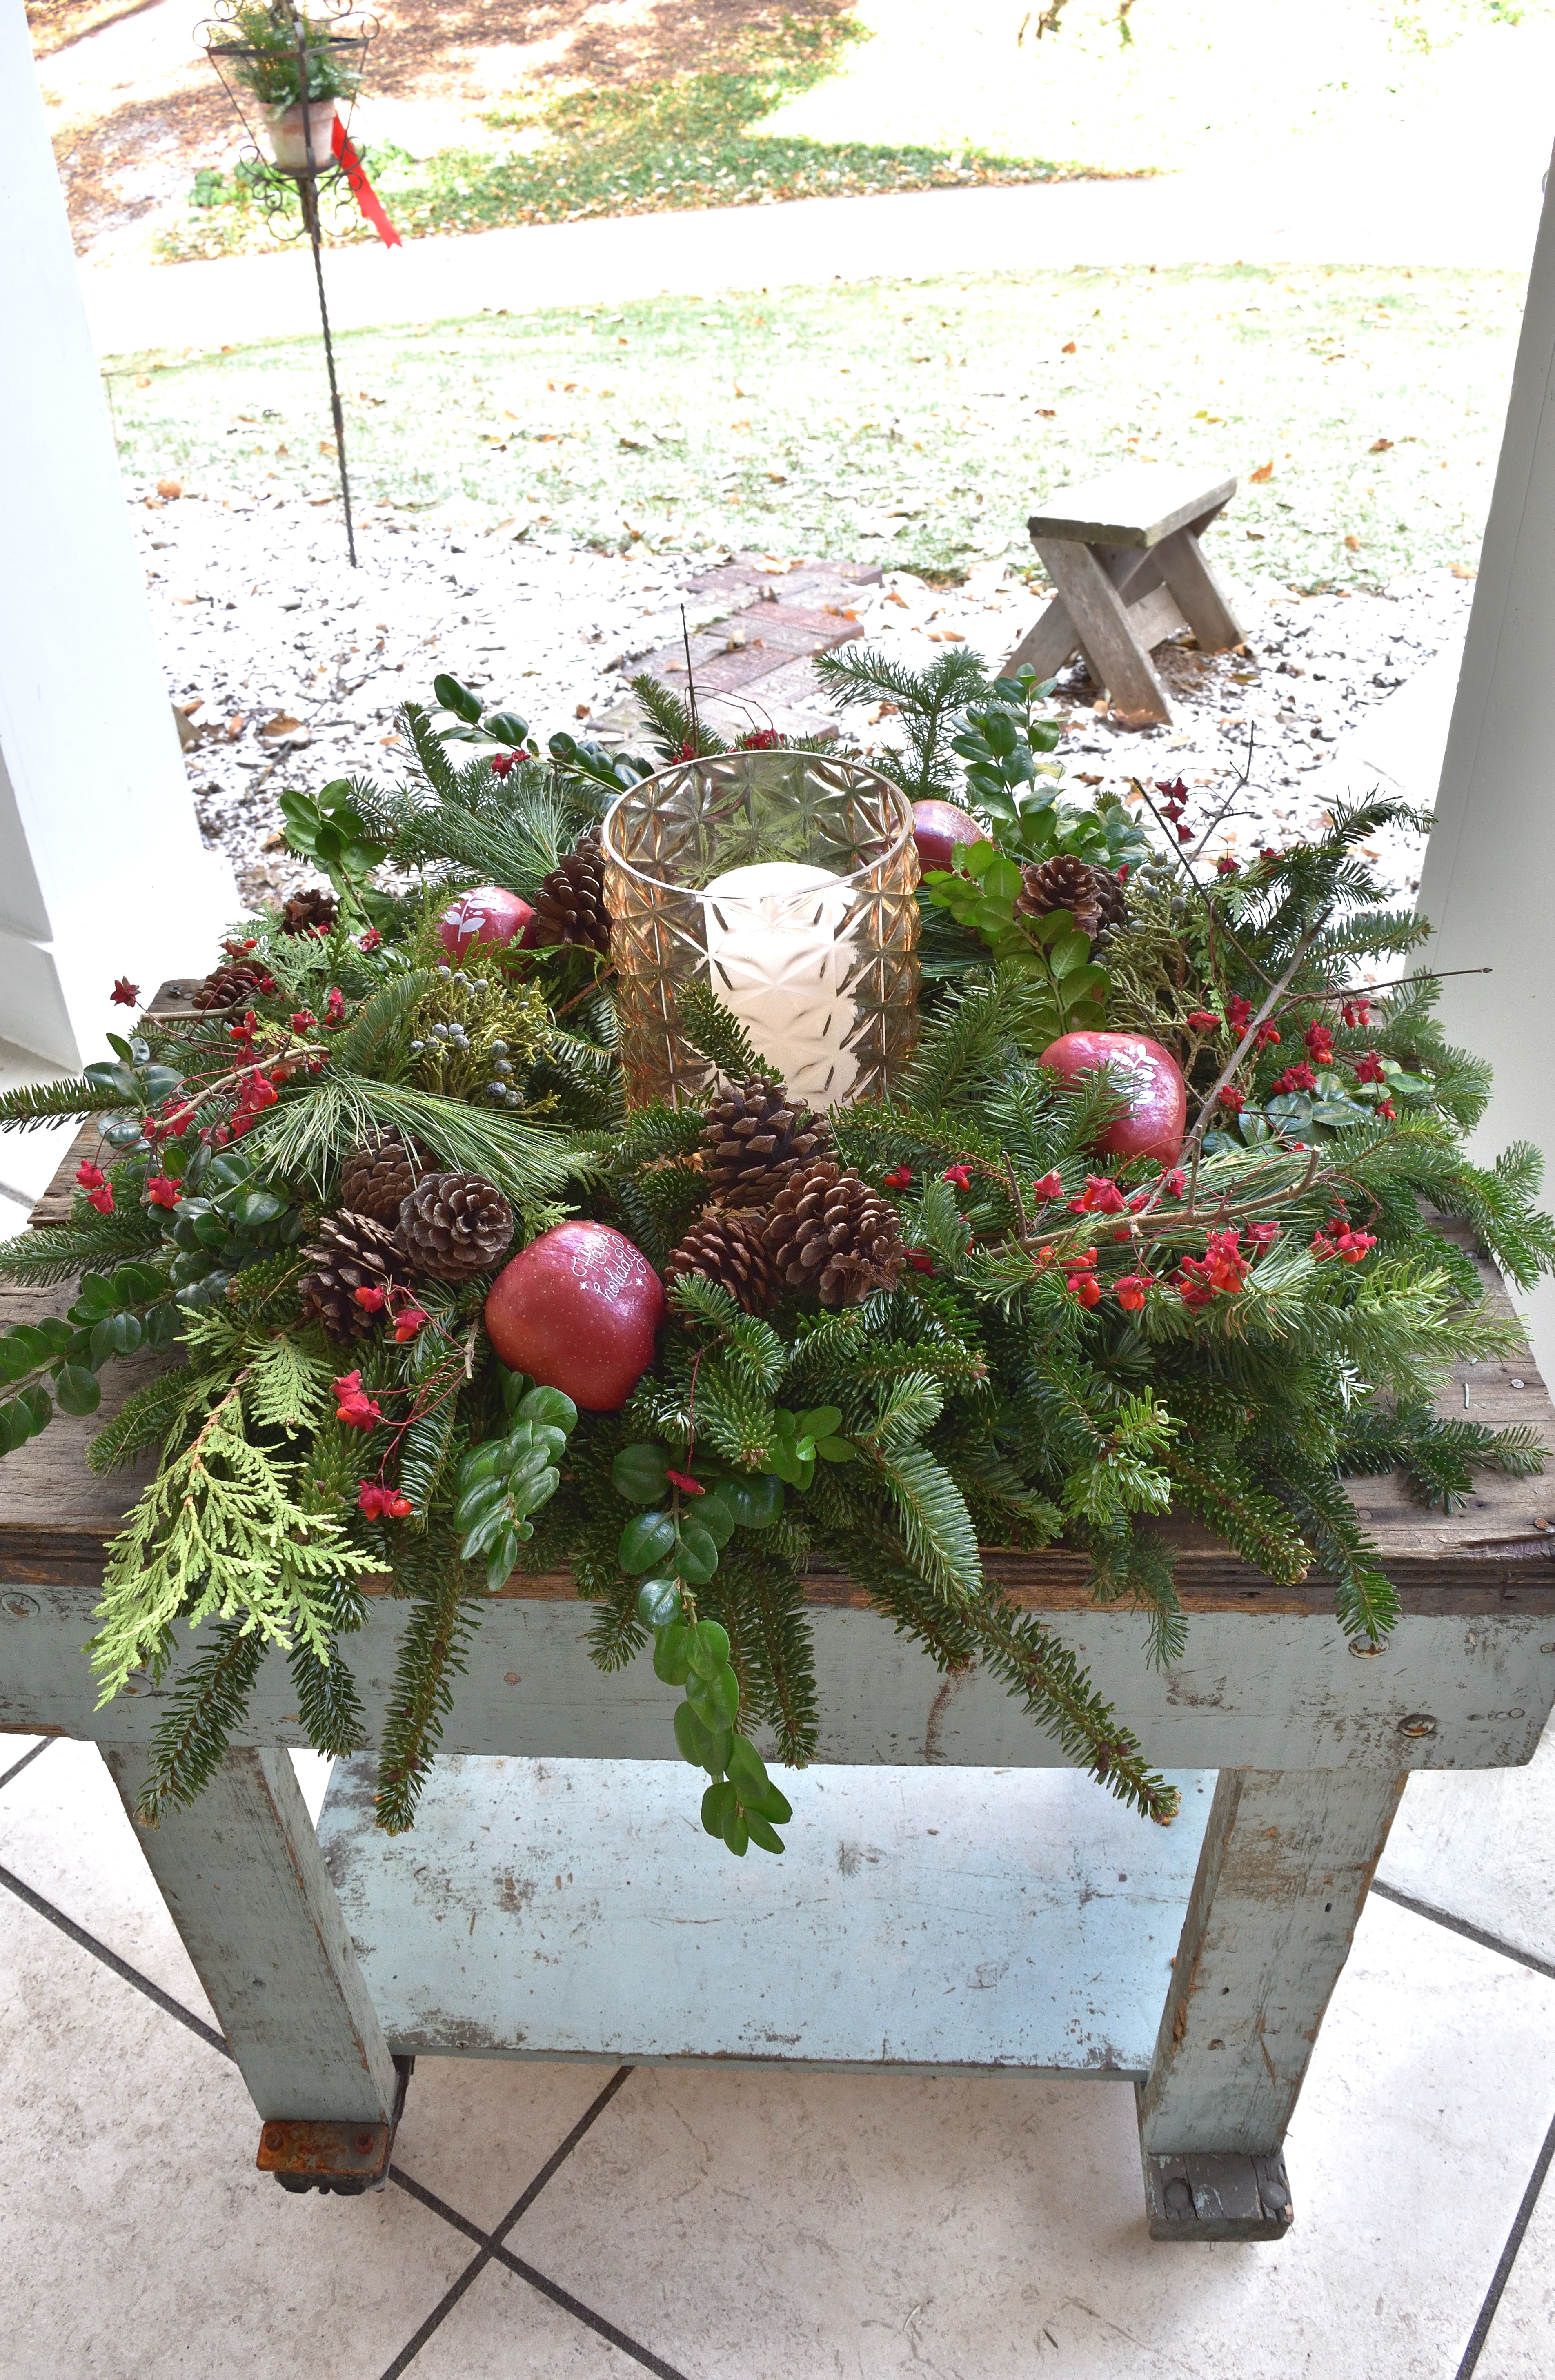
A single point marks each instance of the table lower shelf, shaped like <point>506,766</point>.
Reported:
<point>939,1920</point>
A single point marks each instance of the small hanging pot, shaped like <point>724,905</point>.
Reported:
<point>289,141</point>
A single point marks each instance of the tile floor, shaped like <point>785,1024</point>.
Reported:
<point>547,2219</point>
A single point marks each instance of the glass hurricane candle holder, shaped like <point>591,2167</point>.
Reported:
<point>785,881</point>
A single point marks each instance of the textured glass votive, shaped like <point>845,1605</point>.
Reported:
<point>785,881</point>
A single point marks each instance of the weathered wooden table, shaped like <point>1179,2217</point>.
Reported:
<point>558,1899</point>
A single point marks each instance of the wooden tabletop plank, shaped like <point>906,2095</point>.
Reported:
<point>1136,505</point>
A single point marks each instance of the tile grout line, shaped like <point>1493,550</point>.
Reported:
<point>27,1759</point>
<point>120,1967</point>
<point>489,2243</point>
<point>1460,1926</point>
<point>1503,2273</point>
<point>491,2249</point>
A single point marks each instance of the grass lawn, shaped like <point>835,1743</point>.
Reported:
<point>1377,396</point>
<point>688,138</point>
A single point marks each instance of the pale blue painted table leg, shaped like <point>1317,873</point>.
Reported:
<point>246,1885</point>
<point>1287,1861</point>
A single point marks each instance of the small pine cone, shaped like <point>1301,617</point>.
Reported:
<point>1061,884</point>
<point>378,1178</point>
<point>231,986</point>
<point>454,1225</point>
<point>831,1233</point>
<point>571,904</point>
<point>351,1252</point>
<point>1111,899</point>
<point>755,1137</point>
<point>728,1248</point>
<point>313,911</point>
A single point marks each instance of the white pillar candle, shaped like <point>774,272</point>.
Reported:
<point>779,956</point>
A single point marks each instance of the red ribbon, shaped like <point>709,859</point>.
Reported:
<point>362,190</point>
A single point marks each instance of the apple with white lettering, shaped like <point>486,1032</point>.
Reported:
<point>488,918</point>
<point>579,1310</point>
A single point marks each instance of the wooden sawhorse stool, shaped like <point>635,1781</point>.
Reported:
<point>1123,553</point>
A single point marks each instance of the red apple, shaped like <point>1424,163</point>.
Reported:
<point>1144,1074</point>
<point>937,829</point>
<point>489,917</point>
<point>579,1309</point>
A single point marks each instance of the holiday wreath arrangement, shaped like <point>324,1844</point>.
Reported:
<point>630,1166</point>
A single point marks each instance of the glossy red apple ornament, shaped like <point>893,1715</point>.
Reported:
<point>488,917</point>
<point>1144,1074</point>
<point>578,1309</point>
<point>939,830</point>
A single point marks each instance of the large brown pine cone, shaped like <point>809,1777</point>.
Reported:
<point>232,986</point>
<point>351,1252</point>
<point>755,1137</point>
<point>454,1225</point>
<point>313,911</point>
<point>571,902</point>
<point>378,1178</point>
<point>830,1233</point>
<point>728,1248</point>
<point>1061,884</point>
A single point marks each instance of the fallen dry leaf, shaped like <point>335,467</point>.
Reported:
<point>1048,412</point>
<point>1353,542</point>
<point>1462,570</point>
<point>1380,447</point>
<point>1265,471</point>
<point>778,478</point>
<point>168,488</point>
<point>1256,534</point>
<point>282,724</point>
<point>1068,347</point>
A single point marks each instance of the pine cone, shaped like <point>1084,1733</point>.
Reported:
<point>754,1139</point>
<point>313,911</point>
<point>1061,884</point>
<point>378,1178</point>
<point>233,986</point>
<point>351,1252</point>
<point>728,1248</point>
<point>454,1225</point>
<point>571,904</point>
<point>1111,899</point>
<point>831,1233</point>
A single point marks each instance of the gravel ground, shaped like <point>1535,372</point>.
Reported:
<point>292,667</point>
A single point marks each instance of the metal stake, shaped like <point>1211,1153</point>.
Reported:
<point>309,194</point>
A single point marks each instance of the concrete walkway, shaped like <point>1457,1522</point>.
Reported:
<point>1390,206</point>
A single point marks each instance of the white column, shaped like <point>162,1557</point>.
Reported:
<point>103,871</point>
<point>1488,880</point>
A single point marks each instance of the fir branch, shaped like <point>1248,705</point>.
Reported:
<point>1058,1694</point>
<point>148,1416</point>
<point>677,733</point>
<point>376,1037</point>
<point>327,1701</point>
<point>207,1701</point>
<point>34,1104</point>
<point>49,1252</point>
<point>433,1648</point>
<point>716,1033</point>
<point>936,1526</point>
